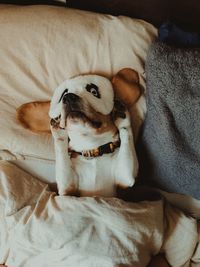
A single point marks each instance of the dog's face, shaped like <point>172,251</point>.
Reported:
<point>84,100</point>
<point>95,94</point>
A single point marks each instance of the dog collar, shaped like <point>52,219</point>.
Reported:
<point>97,152</point>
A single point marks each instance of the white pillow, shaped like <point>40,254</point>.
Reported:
<point>41,46</point>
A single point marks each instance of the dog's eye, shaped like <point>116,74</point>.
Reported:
<point>93,89</point>
<point>94,92</point>
<point>65,92</point>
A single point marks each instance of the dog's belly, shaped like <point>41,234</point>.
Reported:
<point>96,175</point>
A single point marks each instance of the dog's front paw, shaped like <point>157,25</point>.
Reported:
<point>58,132</point>
<point>123,123</point>
<point>55,122</point>
<point>121,115</point>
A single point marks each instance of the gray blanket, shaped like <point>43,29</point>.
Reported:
<point>169,147</point>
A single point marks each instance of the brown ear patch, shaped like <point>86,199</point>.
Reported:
<point>34,116</point>
<point>126,86</point>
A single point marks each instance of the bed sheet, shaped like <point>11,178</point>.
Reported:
<point>40,228</point>
<point>44,170</point>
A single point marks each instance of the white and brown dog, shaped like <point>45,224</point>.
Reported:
<point>92,133</point>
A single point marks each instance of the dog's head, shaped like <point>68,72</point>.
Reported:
<point>85,99</point>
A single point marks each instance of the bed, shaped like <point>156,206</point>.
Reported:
<point>36,55</point>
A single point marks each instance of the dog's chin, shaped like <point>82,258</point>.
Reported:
<point>78,117</point>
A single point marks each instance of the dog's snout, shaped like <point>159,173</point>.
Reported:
<point>70,98</point>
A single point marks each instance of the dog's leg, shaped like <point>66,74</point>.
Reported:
<point>127,164</point>
<point>66,177</point>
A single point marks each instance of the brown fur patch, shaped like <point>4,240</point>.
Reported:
<point>107,124</point>
<point>126,86</point>
<point>34,116</point>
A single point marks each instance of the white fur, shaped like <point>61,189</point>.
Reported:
<point>77,86</point>
<point>93,176</point>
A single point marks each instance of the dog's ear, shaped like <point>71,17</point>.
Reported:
<point>126,86</point>
<point>34,116</point>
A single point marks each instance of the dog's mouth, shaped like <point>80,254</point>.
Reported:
<point>77,115</point>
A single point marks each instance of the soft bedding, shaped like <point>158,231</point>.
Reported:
<point>41,46</point>
<point>169,149</point>
<point>39,228</point>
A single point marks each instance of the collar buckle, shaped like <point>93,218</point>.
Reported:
<point>91,153</point>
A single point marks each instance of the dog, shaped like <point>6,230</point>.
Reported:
<point>97,133</point>
<point>91,128</point>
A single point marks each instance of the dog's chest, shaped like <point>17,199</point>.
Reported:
<point>96,175</point>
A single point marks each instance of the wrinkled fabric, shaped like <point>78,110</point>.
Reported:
<point>169,147</point>
<point>43,229</point>
<point>39,228</point>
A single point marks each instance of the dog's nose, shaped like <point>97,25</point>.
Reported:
<point>70,98</point>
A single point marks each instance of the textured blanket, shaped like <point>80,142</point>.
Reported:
<point>39,228</point>
<point>170,143</point>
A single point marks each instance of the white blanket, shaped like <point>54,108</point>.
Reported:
<point>39,228</point>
